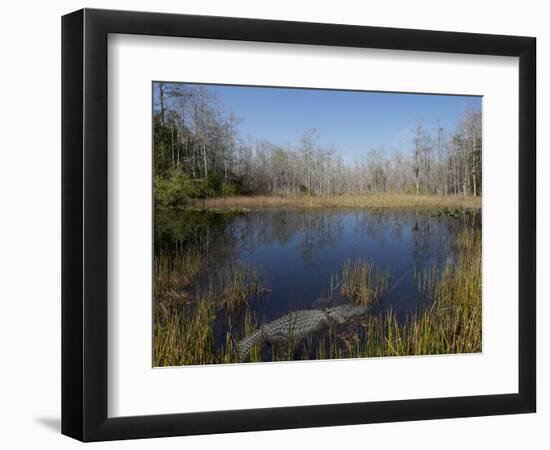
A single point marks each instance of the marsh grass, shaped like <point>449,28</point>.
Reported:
<point>250,324</point>
<point>239,283</point>
<point>450,321</point>
<point>363,282</point>
<point>184,319</point>
<point>229,352</point>
<point>347,201</point>
<point>173,273</point>
<point>184,334</point>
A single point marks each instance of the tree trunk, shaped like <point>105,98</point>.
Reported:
<point>474,168</point>
<point>161,91</point>
<point>204,159</point>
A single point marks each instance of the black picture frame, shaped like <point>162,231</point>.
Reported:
<point>84,224</point>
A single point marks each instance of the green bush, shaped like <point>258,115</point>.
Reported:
<point>214,182</point>
<point>229,189</point>
<point>175,191</point>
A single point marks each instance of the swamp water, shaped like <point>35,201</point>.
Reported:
<point>298,256</point>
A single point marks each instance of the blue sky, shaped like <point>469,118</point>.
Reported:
<point>351,121</point>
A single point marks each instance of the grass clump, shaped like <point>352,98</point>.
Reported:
<point>238,283</point>
<point>250,325</point>
<point>362,282</point>
<point>451,323</point>
<point>184,321</point>
<point>173,273</point>
<point>229,353</point>
<point>184,334</point>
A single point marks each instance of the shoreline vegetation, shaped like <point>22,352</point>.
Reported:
<point>200,155</point>
<point>449,324</point>
<point>342,201</point>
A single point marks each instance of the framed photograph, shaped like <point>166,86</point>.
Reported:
<point>273,224</point>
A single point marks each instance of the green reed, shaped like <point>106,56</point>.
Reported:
<point>449,323</point>
<point>184,320</point>
<point>184,334</point>
<point>363,282</point>
<point>173,273</point>
<point>239,283</point>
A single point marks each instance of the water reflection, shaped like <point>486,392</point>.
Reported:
<point>297,251</point>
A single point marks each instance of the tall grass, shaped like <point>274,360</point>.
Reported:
<point>363,282</point>
<point>173,273</point>
<point>229,353</point>
<point>238,283</point>
<point>346,200</point>
<point>184,319</point>
<point>184,334</point>
<point>451,321</point>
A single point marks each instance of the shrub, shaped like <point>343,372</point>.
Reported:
<point>175,190</point>
<point>229,189</point>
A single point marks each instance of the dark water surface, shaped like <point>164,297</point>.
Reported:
<point>297,251</point>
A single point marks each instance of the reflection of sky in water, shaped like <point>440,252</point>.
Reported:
<point>297,251</point>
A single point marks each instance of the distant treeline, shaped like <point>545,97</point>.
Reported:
<point>199,153</point>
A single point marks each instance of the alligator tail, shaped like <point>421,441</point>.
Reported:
<point>246,344</point>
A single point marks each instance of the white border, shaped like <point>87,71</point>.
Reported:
<point>135,388</point>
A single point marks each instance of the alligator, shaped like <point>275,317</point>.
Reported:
<point>297,325</point>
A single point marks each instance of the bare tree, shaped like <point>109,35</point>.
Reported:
<point>198,137</point>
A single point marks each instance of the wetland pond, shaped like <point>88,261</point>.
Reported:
<point>296,258</point>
